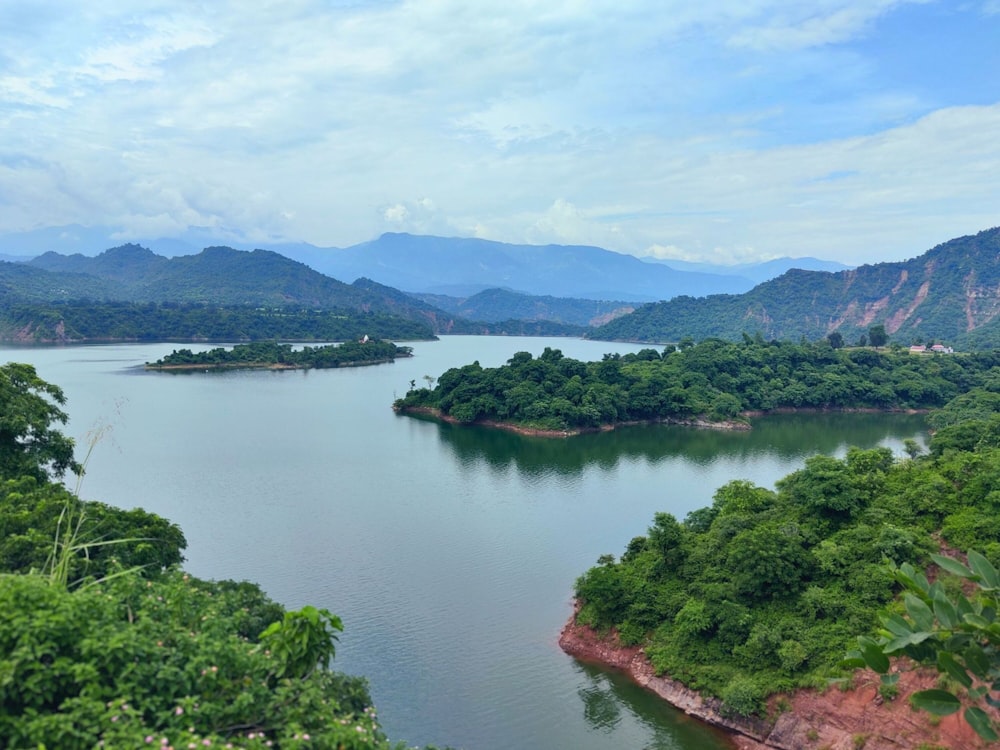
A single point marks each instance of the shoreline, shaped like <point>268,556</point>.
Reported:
<point>705,424</point>
<point>835,719</point>
<point>263,365</point>
<point>434,412</point>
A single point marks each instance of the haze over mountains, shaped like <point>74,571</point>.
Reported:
<point>950,293</point>
<point>460,267</point>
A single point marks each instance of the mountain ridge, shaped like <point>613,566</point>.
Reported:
<point>456,266</point>
<point>948,292</point>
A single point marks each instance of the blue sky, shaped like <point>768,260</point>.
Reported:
<point>724,131</point>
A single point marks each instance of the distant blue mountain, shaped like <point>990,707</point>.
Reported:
<point>756,272</point>
<point>462,267</point>
<point>459,267</point>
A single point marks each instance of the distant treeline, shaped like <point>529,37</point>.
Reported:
<point>269,353</point>
<point>714,380</point>
<point>127,321</point>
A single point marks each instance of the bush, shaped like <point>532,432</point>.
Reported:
<point>743,697</point>
<point>118,662</point>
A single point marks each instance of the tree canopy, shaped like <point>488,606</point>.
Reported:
<point>714,380</point>
<point>765,590</point>
<point>30,412</point>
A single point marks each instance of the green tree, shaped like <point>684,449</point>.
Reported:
<point>877,336</point>
<point>836,340</point>
<point>30,409</point>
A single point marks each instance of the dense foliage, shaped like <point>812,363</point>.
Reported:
<point>270,353</point>
<point>943,295</point>
<point>30,410</point>
<point>36,515</point>
<point>105,642</point>
<point>713,380</point>
<point>131,659</point>
<point>765,590</point>
<point>93,321</point>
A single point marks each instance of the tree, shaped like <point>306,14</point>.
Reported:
<point>836,340</point>
<point>877,336</point>
<point>958,635</point>
<point>30,444</point>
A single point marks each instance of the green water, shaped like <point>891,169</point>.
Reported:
<point>450,552</point>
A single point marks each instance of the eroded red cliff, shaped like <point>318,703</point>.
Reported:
<point>833,719</point>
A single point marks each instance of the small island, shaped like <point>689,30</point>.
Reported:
<point>271,355</point>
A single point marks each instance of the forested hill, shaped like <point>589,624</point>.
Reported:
<point>951,293</point>
<point>216,276</point>
<point>129,292</point>
<point>494,305</point>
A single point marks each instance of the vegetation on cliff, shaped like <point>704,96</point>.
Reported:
<point>765,590</point>
<point>105,642</point>
<point>273,354</point>
<point>714,380</point>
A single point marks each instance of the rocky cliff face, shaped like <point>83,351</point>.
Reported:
<point>831,720</point>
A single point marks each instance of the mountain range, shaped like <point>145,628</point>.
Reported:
<point>951,293</point>
<point>458,267</point>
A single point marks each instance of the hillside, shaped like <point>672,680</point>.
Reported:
<point>946,294</point>
<point>23,283</point>
<point>216,276</point>
<point>494,305</point>
<point>757,273</point>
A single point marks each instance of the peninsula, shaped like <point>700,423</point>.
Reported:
<point>711,384</point>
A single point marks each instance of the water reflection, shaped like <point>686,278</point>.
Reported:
<point>611,702</point>
<point>785,436</point>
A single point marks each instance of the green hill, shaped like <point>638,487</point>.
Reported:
<point>947,294</point>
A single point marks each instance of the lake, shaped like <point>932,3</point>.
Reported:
<point>449,552</point>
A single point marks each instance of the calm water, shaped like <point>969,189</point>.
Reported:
<point>450,553</point>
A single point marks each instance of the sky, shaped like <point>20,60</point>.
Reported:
<point>722,131</point>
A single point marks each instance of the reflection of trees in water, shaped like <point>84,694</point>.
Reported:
<point>613,704</point>
<point>784,436</point>
<point>600,707</point>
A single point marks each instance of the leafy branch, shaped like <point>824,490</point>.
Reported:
<point>959,635</point>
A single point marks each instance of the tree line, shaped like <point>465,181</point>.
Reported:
<point>268,353</point>
<point>167,321</point>
<point>713,380</point>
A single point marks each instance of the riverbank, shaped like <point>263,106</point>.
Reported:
<point>834,719</point>
<point>434,412</point>
<point>263,365</point>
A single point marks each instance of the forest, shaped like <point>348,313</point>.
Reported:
<point>274,354</point>
<point>170,321</point>
<point>713,381</point>
<point>105,641</point>
<point>767,590</point>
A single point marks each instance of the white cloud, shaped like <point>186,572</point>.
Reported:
<point>713,127</point>
<point>814,24</point>
<point>395,214</point>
